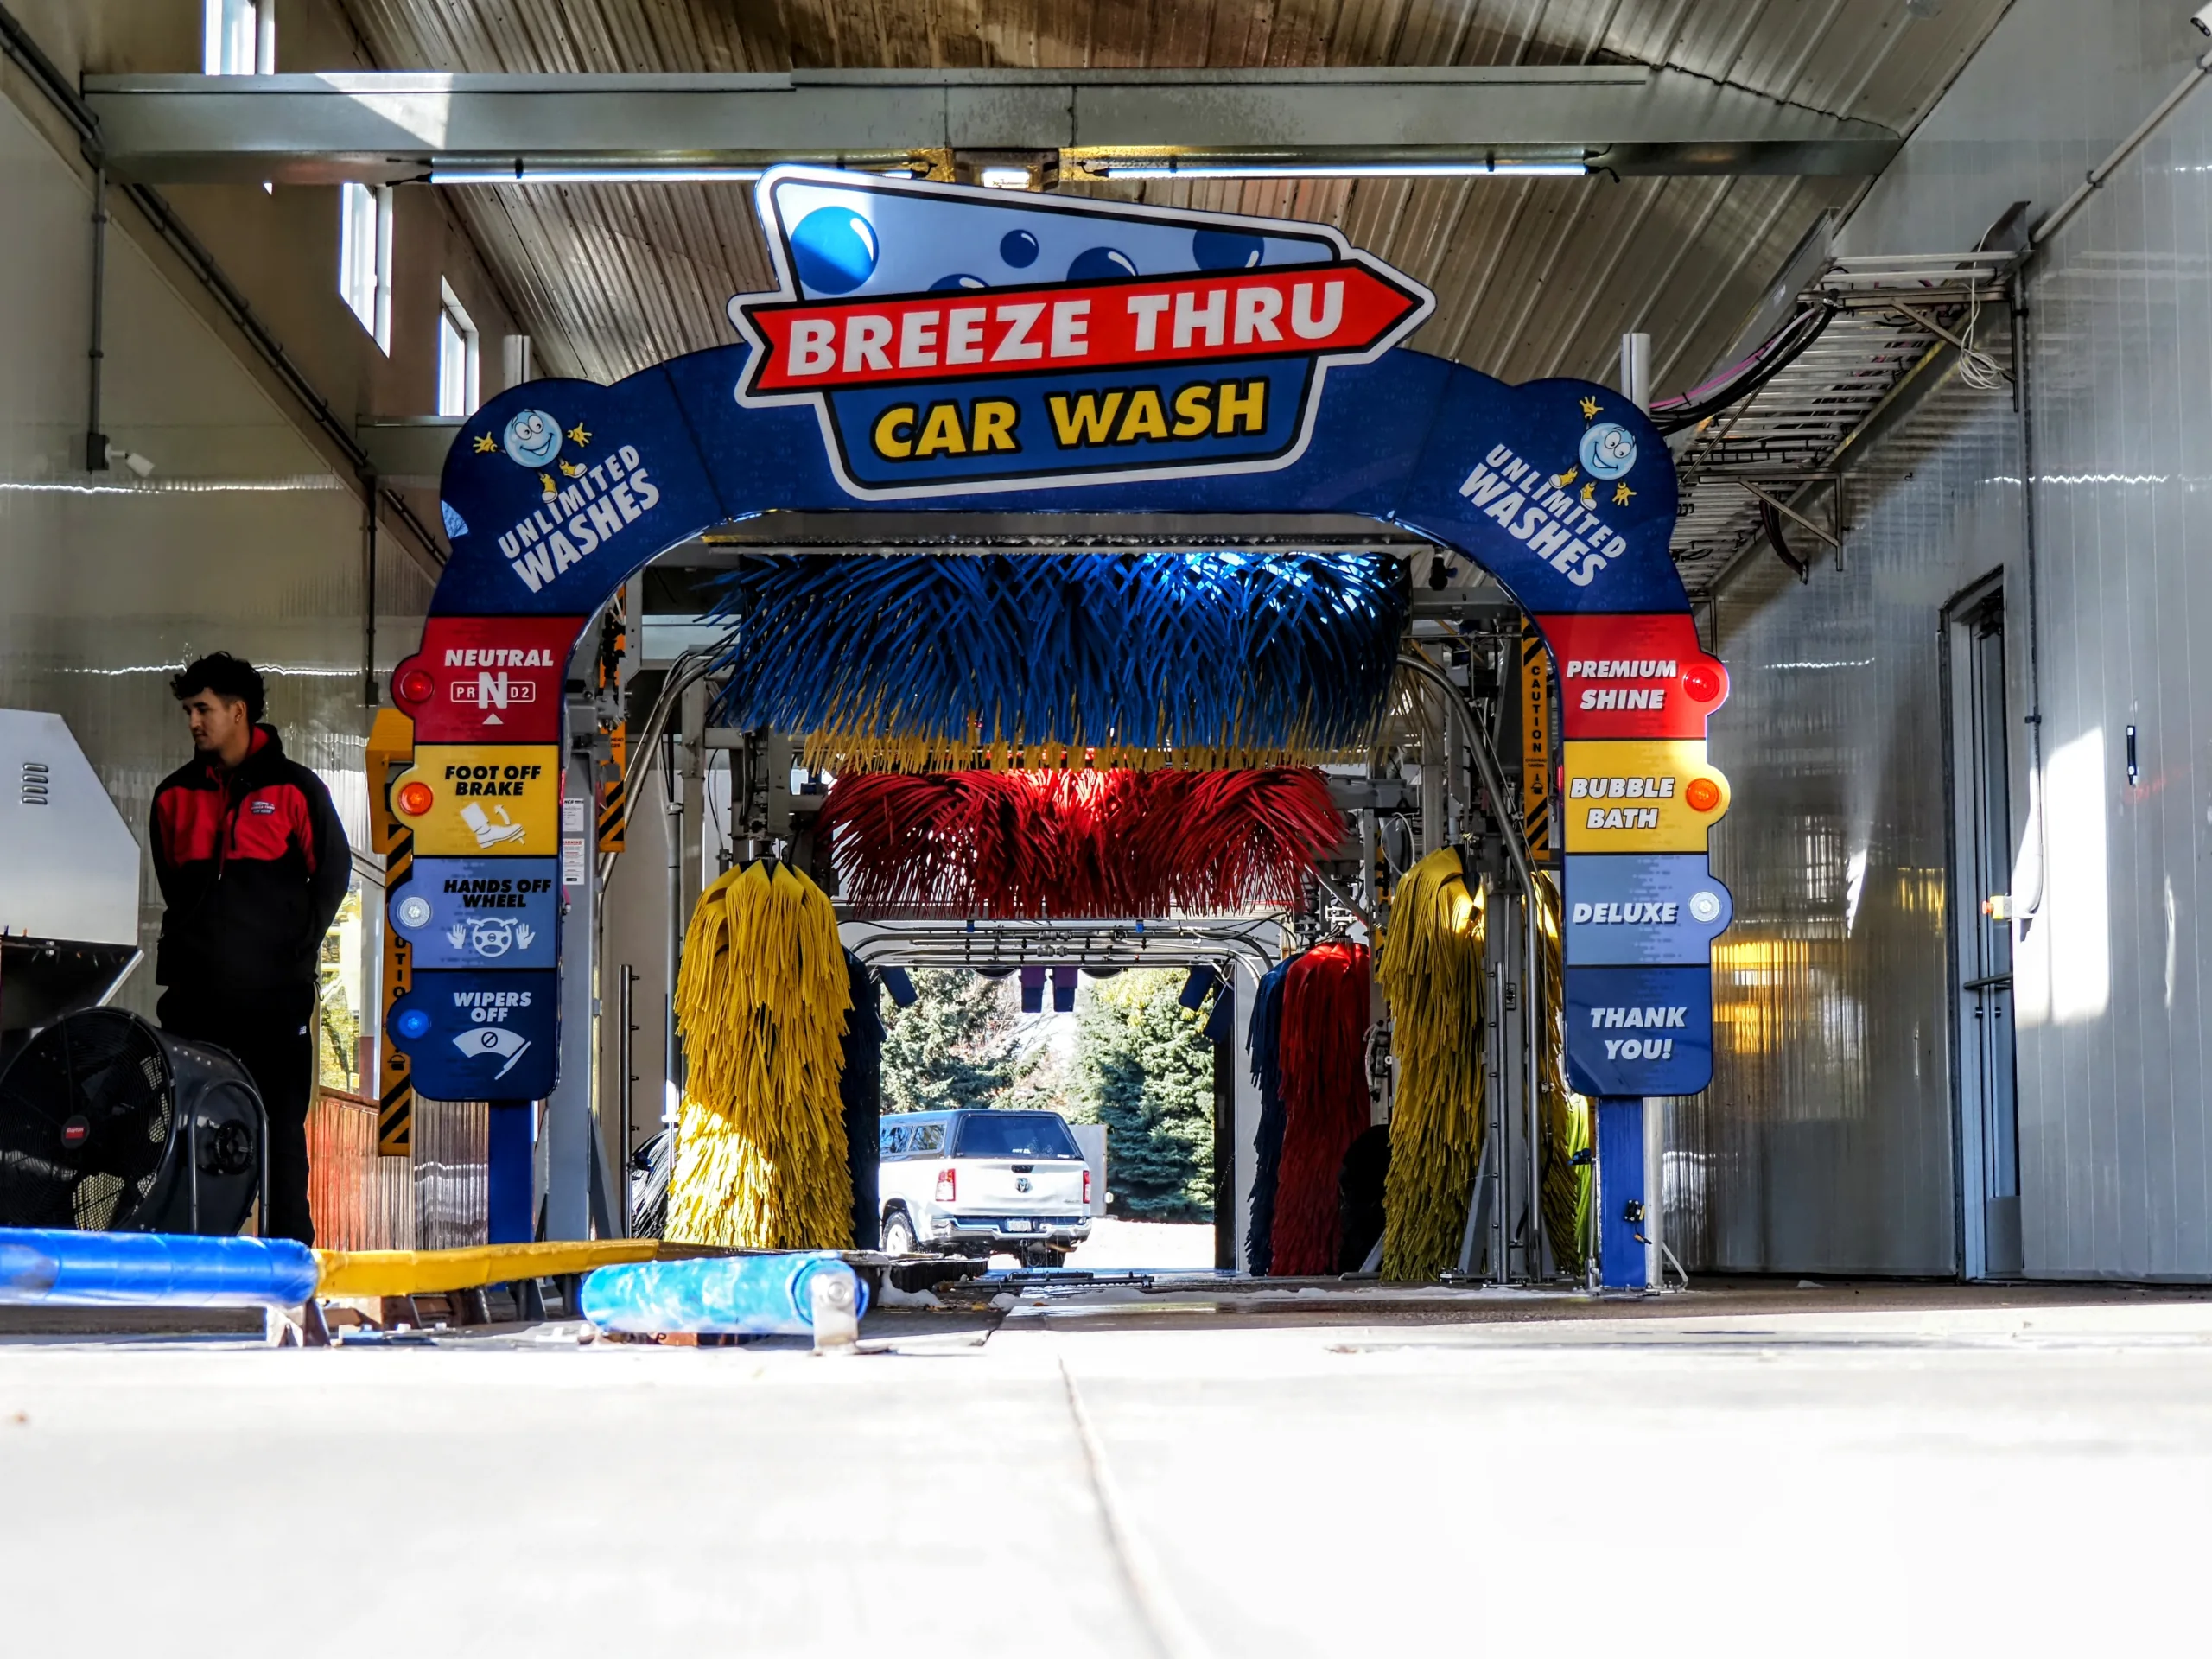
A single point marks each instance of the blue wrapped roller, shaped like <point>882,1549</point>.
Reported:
<point>715,1295</point>
<point>58,1269</point>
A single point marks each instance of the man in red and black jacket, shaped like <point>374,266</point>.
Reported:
<point>253,864</point>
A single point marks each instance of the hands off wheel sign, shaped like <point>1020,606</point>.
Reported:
<point>988,350</point>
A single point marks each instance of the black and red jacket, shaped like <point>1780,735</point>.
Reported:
<point>253,864</point>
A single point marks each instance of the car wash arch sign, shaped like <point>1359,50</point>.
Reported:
<point>981,350</point>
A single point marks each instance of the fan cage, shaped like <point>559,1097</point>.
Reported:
<point>108,1068</point>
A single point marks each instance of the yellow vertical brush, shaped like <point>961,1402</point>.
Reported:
<point>1431,966</point>
<point>1567,1115</point>
<point>762,999</point>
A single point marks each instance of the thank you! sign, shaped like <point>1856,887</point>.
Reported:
<point>951,341</point>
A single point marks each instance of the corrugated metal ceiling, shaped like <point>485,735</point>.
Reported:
<point>1533,277</point>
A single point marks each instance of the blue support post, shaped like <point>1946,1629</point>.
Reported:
<point>510,1150</point>
<point>1620,1193</point>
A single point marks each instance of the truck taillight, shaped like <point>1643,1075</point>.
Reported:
<point>1086,1186</point>
<point>948,1186</point>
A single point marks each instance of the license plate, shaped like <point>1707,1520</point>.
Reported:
<point>1017,1223</point>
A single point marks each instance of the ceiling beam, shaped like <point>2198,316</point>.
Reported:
<point>394,126</point>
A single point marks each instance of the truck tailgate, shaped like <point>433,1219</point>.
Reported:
<point>1055,1188</point>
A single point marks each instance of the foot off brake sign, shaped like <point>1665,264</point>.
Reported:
<point>950,342</point>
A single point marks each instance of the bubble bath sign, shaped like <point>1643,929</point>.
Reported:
<point>952,342</point>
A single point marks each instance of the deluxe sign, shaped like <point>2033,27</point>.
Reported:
<point>948,345</point>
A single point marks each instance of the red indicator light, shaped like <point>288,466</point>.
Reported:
<point>416,798</point>
<point>1702,683</point>
<point>1703,794</point>
<point>417,686</point>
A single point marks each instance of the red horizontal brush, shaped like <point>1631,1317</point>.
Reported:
<point>1078,844</point>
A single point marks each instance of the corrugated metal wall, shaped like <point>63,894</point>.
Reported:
<point>1533,277</point>
<point>1826,1142</point>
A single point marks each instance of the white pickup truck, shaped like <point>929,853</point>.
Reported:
<point>970,1182</point>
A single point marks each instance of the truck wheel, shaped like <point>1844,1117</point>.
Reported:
<point>897,1234</point>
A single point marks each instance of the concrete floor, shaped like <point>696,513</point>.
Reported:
<point>1115,1243</point>
<point>1205,1471</point>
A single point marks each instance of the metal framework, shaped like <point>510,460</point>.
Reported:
<point>1899,320</point>
<point>992,946</point>
<point>1627,118</point>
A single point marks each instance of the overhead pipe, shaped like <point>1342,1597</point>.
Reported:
<point>95,439</point>
<point>2054,221</point>
<point>2024,405</point>
<point>2040,237</point>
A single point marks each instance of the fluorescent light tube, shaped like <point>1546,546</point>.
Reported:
<point>1171,168</point>
<point>528,175</point>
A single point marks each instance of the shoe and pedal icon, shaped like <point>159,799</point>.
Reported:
<point>488,834</point>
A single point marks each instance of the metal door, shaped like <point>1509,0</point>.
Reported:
<point>1989,1138</point>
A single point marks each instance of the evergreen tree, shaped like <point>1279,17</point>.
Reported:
<point>958,1046</point>
<point>1145,1069</point>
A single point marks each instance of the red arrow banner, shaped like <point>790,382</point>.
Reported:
<point>1297,310</point>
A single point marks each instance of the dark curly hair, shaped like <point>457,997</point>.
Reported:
<point>226,676</point>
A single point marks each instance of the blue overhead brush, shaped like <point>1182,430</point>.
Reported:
<point>1211,659</point>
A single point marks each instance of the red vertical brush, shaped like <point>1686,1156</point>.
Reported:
<point>1323,1056</point>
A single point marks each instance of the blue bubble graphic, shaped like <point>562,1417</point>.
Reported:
<point>455,524</point>
<point>958,279</point>
<point>1101,264</point>
<point>1607,449</point>
<point>532,438</point>
<point>1018,249</point>
<point>1226,250</point>
<point>834,250</point>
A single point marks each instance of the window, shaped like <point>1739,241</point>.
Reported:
<point>240,37</point>
<point>1015,1134</point>
<point>457,373</point>
<point>365,255</point>
<point>928,1137</point>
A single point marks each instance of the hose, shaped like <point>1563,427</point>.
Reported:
<point>1771,522</point>
<point>1739,380</point>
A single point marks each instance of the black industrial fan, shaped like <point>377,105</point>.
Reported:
<point>109,1124</point>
